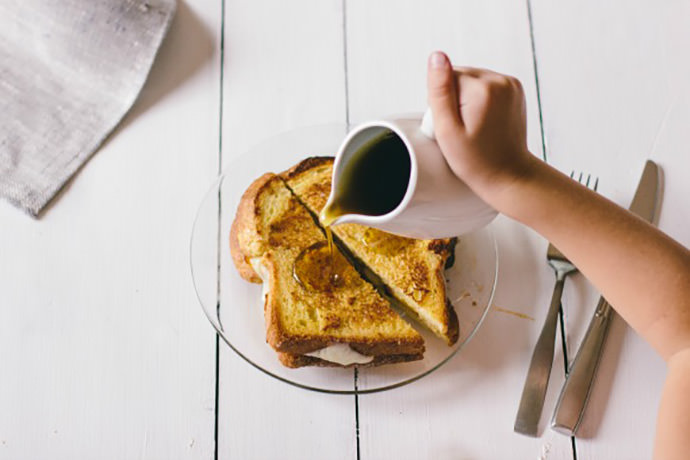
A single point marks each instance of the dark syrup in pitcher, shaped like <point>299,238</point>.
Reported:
<point>372,183</point>
<point>374,180</point>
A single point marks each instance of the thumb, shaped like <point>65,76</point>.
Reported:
<point>442,93</point>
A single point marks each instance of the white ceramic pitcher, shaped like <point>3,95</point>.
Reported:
<point>436,203</point>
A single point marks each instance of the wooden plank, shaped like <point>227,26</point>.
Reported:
<point>467,408</point>
<point>283,69</point>
<point>104,351</point>
<point>614,93</point>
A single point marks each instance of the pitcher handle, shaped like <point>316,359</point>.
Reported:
<point>427,126</point>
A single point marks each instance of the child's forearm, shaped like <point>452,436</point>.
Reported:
<point>672,442</point>
<point>643,273</point>
<point>479,118</point>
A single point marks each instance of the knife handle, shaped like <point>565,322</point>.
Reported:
<point>578,385</point>
<point>534,390</point>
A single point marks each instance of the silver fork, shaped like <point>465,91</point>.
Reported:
<point>534,391</point>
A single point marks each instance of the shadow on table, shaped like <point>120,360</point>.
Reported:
<point>604,379</point>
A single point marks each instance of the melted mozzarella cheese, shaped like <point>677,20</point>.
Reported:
<point>341,353</point>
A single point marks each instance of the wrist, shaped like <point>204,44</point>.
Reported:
<point>502,188</point>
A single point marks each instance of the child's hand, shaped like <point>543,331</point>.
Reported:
<point>479,121</point>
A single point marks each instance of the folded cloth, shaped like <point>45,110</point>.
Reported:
<point>69,71</point>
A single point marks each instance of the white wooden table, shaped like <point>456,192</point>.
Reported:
<point>104,350</point>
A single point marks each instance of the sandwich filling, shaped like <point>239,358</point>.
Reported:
<point>261,271</point>
<point>342,354</point>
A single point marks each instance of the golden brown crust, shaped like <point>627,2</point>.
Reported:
<point>282,341</point>
<point>306,165</point>
<point>244,227</point>
<point>453,330</point>
<point>370,346</point>
<point>445,248</point>
<point>274,328</point>
<point>295,361</point>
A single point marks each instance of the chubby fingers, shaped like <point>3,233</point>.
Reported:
<point>448,88</point>
<point>442,93</point>
<point>460,97</point>
<point>486,84</point>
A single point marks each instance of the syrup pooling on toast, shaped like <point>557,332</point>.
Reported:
<point>316,268</point>
<point>385,243</point>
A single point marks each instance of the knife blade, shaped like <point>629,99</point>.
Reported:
<point>646,199</point>
<point>576,390</point>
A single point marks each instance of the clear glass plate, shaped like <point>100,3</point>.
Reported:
<point>235,306</point>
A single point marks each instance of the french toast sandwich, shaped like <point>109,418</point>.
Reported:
<point>409,272</point>
<point>348,323</point>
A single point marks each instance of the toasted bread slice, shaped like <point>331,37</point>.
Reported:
<point>410,270</point>
<point>270,230</point>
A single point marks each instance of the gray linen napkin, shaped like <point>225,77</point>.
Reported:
<point>69,71</point>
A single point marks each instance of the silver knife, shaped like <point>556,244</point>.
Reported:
<point>578,385</point>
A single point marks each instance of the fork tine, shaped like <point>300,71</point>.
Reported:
<point>586,180</point>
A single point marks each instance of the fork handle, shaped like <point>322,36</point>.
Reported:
<point>534,391</point>
<point>578,386</point>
